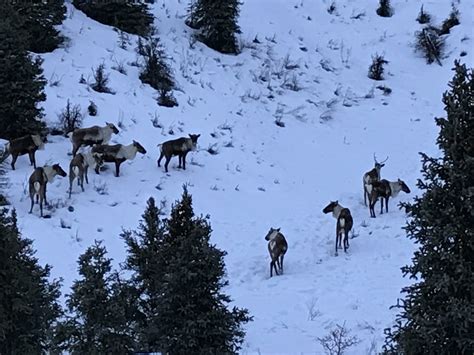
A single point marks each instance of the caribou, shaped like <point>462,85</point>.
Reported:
<point>92,135</point>
<point>277,247</point>
<point>180,147</point>
<point>371,176</point>
<point>385,189</point>
<point>343,225</point>
<point>38,181</point>
<point>79,166</point>
<point>117,153</point>
<point>25,145</point>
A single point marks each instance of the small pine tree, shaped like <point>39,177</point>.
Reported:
<point>101,80</point>
<point>38,19</point>
<point>437,313</point>
<point>376,69</point>
<point>101,308</point>
<point>191,310</point>
<point>217,23</point>
<point>423,17</point>
<point>156,72</point>
<point>92,109</point>
<point>29,304</point>
<point>450,22</point>
<point>21,81</point>
<point>385,9</point>
<point>430,43</point>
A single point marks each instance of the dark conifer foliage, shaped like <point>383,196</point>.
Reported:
<point>376,69</point>
<point>144,260</point>
<point>155,71</point>
<point>21,80</point>
<point>385,8</point>
<point>181,275</point>
<point>450,22</point>
<point>217,23</point>
<point>129,16</point>
<point>38,21</point>
<point>437,314</point>
<point>430,43</point>
<point>423,16</point>
<point>29,304</point>
<point>101,307</point>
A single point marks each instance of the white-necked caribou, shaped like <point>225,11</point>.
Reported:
<point>385,189</point>
<point>117,153</point>
<point>343,225</point>
<point>371,176</point>
<point>38,181</point>
<point>180,147</point>
<point>92,135</point>
<point>277,247</point>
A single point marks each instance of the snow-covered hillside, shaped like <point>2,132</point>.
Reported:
<point>308,69</point>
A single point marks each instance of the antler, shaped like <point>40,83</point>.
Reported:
<point>375,160</point>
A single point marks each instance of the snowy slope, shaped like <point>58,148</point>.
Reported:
<point>263,175</point>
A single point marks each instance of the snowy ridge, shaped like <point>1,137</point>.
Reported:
<point>263,175</point>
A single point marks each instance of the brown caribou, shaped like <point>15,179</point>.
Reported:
<point>180,147</point>
<point>370,176</point>
<point>92,135</point>
<point>117,153</point>
<point>38,181</point>
<point>25,145</point>
<point>385,189</point>
<point>277,247</point>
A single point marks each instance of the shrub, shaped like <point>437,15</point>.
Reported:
<point>450,22</point>
<point>429,42</point>
<point>101,80</point>
<point>423,17</point>
<point>70,118</point>
<point>92,109</point>
<point>376,69</point>
<point>385,9</point>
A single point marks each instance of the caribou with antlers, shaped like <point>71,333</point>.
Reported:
<point>371,176</point>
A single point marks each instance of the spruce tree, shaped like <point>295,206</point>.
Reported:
<point>101,308</point>
<point>38,19</point>
<point>129,16</point>
<point>29,304</point>
<point>217,23</point>
<point>21,80</point>
<point>191,314</point>
<point>437,315</point>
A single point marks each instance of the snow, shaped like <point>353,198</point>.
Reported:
<point>263,175</point>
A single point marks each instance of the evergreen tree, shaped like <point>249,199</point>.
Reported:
<point>190,314</point>
<point>128,16</point>
<point>156,72</point>
<point>101,308</point>
<point>28,300</point>
<point>437,315</point>
<point>38,19</point>
<point>21,80</point>
<point>217,23</point>
<point>143,260</point>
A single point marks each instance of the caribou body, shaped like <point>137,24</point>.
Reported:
<point>38,181</point>
<point>277,247</point>
<point>385,189</point>
<point>79,167</point>
<point>343,225</point>
<point>25,145</point>
<point>371,176</point>
<point>180,147</point>
<point>92,135</point>
<point>117,153</point>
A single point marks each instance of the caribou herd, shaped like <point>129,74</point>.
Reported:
<point>374,187</point>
